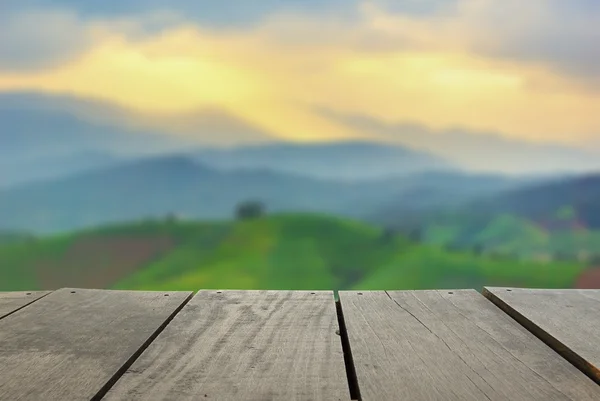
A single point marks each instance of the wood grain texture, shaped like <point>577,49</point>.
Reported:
<point>567,320</point>
<point>452,345</point>
<point>243,345</point>
<point>11,302</point>
<point>70,344</point>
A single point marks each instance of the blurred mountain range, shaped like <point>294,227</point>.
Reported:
<point>62,170</point>
<point>158,186</point>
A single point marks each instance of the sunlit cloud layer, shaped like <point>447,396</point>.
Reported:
<point>508,67</point>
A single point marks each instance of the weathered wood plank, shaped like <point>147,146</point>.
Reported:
<point>451,345</point>
<point>71,343</point>
<point>243,345</point>
<point>11,302</point>
<point>567,320</point>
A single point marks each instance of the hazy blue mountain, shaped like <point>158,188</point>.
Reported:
<point>352,160</point>
<point>43,167</point>
<point>42,137</point>
<point>158,186</point>
<point>34,126</point>
<point>37,127</point>
<point>537,202</point>
<point>542,200</point>
<point>46,137</point>
<point>432,192</point>
<point>480,151</point>
<point>558,219</point>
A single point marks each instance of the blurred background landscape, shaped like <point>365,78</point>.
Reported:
<point>299,145</point>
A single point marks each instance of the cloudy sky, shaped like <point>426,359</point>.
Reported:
<point>308,69</point>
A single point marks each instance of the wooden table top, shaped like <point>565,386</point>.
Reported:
<point>505,344</point>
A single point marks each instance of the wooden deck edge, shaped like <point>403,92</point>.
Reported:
<point>560,348</point>
<point>564,351</point>
<point>113,380</point>
<point>26,305</point>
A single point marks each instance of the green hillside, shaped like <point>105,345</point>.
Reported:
<point>299,251</point>
<point>518,237</point>
<point>287,251</point>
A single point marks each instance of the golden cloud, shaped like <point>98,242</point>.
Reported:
<point>278,76</point>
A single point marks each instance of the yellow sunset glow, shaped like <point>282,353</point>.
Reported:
<point>280,86</point>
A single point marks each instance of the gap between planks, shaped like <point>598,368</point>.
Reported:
<point>343,335</point>
<point>564,351</point>
<point>348,359</point>
<point>460,343</point>
<point>74,342</point>
<point>35,296</point>
<point>117,386</point>
<point>119,373</point>
<point>553,342</point>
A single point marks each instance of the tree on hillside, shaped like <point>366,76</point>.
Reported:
<point>388,234</point>
<point>251,209</point>
<point>478,249</point>
<point>416,235</point>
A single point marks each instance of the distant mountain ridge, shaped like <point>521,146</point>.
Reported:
<point>483,151</point>
<point>40,143</point>
<point>541,201</point>
<point>553,220</point>
<point>43,130</point>
<point>343,160</point>
<point>153,187</point>
<point>44,138</point>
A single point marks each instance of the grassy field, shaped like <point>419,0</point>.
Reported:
<point>561,236</point>
<point>299,251</point>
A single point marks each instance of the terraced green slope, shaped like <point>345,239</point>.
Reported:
<point>286,251</point>
<point>428,267</point>
<point>278,252</point>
